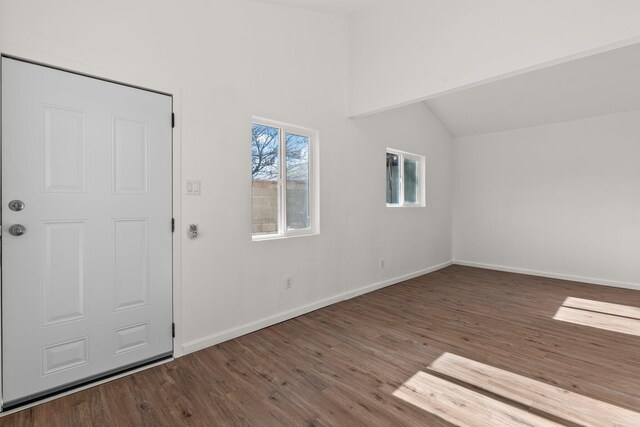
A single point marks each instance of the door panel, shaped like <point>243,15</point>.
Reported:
<point>63,264</point>
<point>130,156</point>
<point>65,146</point>
<point>87,289</point>
<point>131,262</point>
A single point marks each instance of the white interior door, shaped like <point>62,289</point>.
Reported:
<point>87,289</point>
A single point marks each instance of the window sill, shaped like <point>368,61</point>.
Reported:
<point>284,236</point>
<point>406,206</point>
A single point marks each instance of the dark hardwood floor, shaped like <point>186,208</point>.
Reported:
<point>426,352</point>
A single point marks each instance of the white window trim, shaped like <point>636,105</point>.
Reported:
<point>422,179</point>
<point>314,182</point>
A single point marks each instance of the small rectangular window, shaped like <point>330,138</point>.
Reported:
<point>411,181</point>
<point>284,195</point>
<point>404,179</point>
<point>393,179</point>
<point>297,182</point>
<point>265,164</point>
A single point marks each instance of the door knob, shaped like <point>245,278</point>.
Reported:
<point>17,230</point>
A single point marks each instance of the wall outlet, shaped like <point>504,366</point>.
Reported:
<point>288,283</point>
<point>382,264</point>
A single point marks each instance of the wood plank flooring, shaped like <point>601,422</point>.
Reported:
<point>448,347</point>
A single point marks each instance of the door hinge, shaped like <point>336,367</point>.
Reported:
<point>173,330</point>
<point>173,120</point>
<point>173,225</point>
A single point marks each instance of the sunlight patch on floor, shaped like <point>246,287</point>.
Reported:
<point>461,406</point>
<point>602,315</point>
<point>465,407</point>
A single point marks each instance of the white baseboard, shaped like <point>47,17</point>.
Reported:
<point>200,343</point>
<point>590,280</point>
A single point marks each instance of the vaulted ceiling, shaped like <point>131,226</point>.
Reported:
<point>601,84</point>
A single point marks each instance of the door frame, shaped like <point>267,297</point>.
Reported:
<point>173,90</point>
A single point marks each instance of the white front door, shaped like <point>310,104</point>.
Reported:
<point>86,176</point>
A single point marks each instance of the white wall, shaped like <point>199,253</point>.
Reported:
<point>230,59</point>
<point>390,233</point>
<point>408,50</point>
<point>558,200</point>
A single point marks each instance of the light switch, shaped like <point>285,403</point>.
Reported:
<point>193,187</point>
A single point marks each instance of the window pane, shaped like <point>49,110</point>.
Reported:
<point>411,181</point>
<point>393,179</point>
<point>297,182</point>
<point>265,158</point>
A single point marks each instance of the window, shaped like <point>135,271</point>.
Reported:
<point>405,179</point>
<point>284,187</point>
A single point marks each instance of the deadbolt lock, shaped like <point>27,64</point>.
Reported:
<point>16,205</point>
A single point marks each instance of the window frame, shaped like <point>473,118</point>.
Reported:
<point>314,194</point>
<point>402,155</point>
